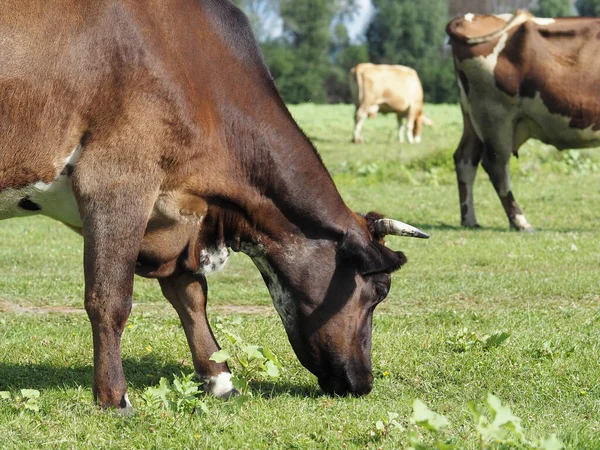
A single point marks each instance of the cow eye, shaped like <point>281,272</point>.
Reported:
<point>381,291</point>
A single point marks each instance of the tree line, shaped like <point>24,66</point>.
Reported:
<point>308,49</point>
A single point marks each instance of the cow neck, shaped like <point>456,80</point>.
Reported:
<point>286,187</point>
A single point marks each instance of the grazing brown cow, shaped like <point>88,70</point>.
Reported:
<point>389,89</point>
<point>521,77</point>
<point>153,128</point>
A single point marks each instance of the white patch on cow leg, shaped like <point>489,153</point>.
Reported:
<point>358,129</point>
<point>522,223</point>
<point>219,386</point>
<point>213,259</point>
<point>410,133</point>
<point>401,133</point>
<point>418,139</point>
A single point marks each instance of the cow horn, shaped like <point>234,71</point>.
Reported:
<point>392,227</point>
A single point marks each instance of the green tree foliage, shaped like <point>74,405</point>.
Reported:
<point>306,69</point>
<point>589,8</point>
<point>553,8</point>
<point>263,16</point>
<point>413,34</point>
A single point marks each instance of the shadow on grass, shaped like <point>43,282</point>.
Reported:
<point>441,226</point>
<point>270,389</point>
<point>140,374</point>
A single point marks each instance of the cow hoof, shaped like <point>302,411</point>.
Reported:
<point>128,411</point>
<point>474,226</point>
<point>125,409</point>
<point>358,141</point>
<point>219,386</point>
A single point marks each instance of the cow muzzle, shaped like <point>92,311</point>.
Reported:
<point>347,385</point>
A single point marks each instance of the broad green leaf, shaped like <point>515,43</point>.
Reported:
<point>272,369</point>
<point>396,424</point>
<point>220,356</point>
<point>426,418</point>
<point>253,352</point>
<point>379,425</point>
<point>496,339</point>
<point>552,443</point>
<point>202,407</point>
<point>238,401</point>
<point>177,385</point>
<point>30,393</point>
<point>271,357</point>
<point>31,405</point>
<point>232,338</point>
<point>161,391</point>
<point>4,395</point>
<point>392,416</point>
<point>240,383</point>
<point>501,415</point>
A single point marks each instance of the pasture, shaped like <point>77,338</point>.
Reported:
<point>458,287</point>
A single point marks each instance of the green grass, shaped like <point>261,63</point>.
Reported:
<point>542,288</point>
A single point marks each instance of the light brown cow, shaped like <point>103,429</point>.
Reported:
<point>521,77</point>
<point>389,89</point>
<point>153,128</point>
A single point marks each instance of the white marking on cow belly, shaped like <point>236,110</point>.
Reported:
<point>542,21</point>
<point>54,199</point>
<point>219,386</point>
<point>469,17</point>
<point>213,259</point>
<point>506,16</point>
<point>554,129</point>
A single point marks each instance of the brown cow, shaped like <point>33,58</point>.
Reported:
<point>521,77</point>
<point>389,89</point>
<point>153,128</point>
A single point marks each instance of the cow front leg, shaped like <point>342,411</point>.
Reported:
<point>466,161</point>
<point>497,167</point>
<point>114,218</point>
<point>401,128</point>
<point>359,120</point>
<point>187,293</point>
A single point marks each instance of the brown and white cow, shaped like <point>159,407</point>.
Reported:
<point>521,77</point>
<point>389,89</point>
<point>153,128</point>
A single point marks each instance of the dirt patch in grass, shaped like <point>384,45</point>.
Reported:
<point>7,307</point>
<point>24,309</point>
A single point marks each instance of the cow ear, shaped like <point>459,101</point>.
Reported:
<point>369,256</point>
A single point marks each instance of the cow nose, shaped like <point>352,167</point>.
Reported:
<point>347,386</point>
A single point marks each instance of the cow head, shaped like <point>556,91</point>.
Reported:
<point>326,291</point>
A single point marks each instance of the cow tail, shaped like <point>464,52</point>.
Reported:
<point>355,85</point>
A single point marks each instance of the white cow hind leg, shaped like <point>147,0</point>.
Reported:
<point>360,118</point>
<point>496,164</point>
<point>401,129</point>
<point>410,132</point>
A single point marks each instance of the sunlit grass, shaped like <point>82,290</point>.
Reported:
<point>542,288</point>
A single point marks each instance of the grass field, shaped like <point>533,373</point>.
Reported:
<point>542,288</point>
